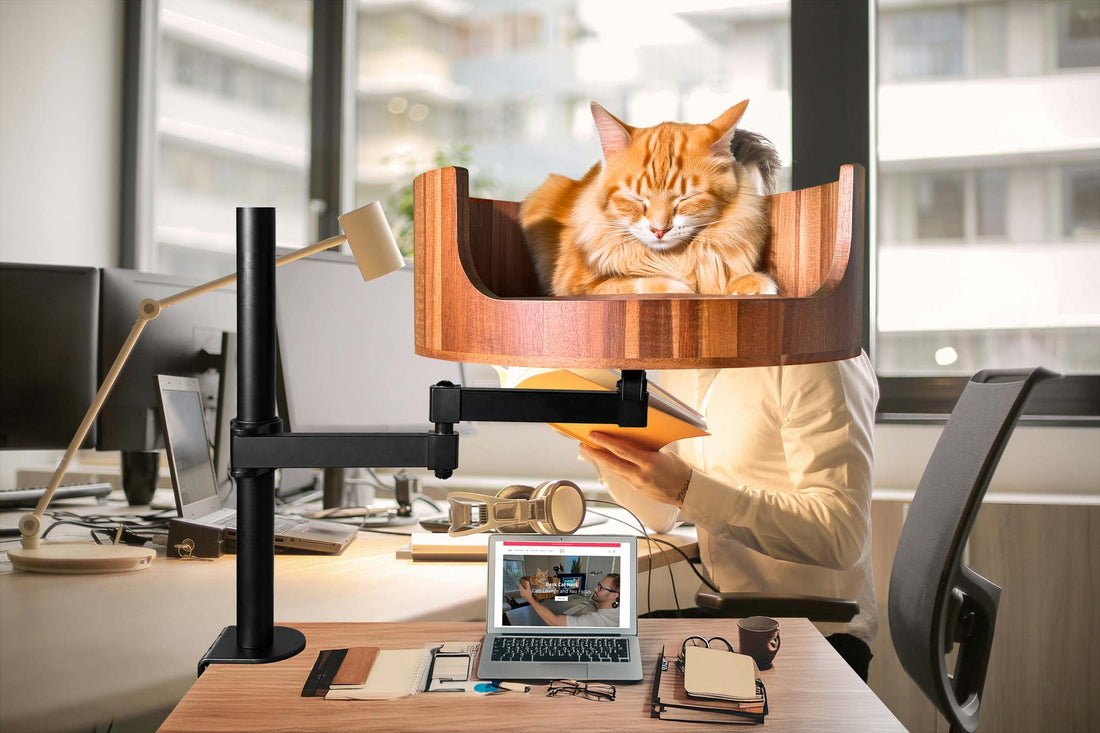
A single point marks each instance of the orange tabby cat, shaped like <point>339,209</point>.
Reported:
<point>668,209</point>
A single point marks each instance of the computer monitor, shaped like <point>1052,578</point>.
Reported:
<point>48,346</point>
<point>347,349</point>
<point>185,340</point>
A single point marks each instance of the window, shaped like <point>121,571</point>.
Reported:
<point>513,571</point>
<point>942,42</point>
<point>955,205</point>
<point>231,128</point>
<point>1081,195</point>
<point>511,101</point>
<point>1078,34</point>
<point>984,237</point>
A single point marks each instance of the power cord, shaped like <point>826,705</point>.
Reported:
<point>648,539</point>
<point>649,545</point>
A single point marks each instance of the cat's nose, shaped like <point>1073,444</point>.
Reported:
<point>658,232</point>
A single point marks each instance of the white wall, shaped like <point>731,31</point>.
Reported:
<point>60,115</point>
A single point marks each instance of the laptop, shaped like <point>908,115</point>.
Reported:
<point>194,485</point>
<point>595,643</point>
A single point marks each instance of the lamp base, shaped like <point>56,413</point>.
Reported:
<point>81,558</point>
<point>286,642</point>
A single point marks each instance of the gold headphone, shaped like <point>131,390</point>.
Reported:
<point>552,507</point>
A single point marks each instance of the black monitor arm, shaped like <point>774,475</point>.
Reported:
<point>259,448</point>
<point>259,445</point>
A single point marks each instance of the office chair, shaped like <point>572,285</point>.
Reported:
<point>935,601</point>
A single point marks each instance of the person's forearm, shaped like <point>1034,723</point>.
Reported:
<point>657,516</point>
<point>817,526</point>
<point>551,618</point>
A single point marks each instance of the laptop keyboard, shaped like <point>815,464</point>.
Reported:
<point>560,649</point>
<point>282,524</point>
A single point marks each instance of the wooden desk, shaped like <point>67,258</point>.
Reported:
<point>78,652</point>
<point>810,688</point>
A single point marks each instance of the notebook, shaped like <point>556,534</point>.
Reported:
<point>196,490</point>
<point>599,639</point>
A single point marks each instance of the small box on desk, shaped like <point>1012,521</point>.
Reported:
<point>186,539</point>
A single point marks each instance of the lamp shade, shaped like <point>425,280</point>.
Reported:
<point>371,241</point>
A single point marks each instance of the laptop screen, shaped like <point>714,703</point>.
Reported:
<point>188,447</point>
<point>577,584</point>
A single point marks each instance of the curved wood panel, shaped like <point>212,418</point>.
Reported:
<point>476,302</point>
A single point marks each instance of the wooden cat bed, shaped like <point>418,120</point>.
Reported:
<point>476,291</point>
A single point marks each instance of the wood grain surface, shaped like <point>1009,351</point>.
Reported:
<point>476,292</point>
<point>810,688</point>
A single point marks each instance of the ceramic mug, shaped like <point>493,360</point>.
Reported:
<point>759,638</point>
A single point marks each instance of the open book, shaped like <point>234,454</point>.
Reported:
<point>669,418</point>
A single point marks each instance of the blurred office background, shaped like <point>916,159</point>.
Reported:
<point>985,195</point>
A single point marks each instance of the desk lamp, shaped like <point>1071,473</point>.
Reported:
<point>376,253</point>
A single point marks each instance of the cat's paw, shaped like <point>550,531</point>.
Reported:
<point>755,283</point>
<point>661,285</point>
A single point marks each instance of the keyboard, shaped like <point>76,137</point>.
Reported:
<point>16,498</point>
<point>560,649</point>
<point>282,524</point>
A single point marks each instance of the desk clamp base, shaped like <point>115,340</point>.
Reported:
<point>285,643</point>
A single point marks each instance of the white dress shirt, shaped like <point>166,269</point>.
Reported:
<point>781,491</point>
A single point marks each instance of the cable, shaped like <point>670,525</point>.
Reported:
<point>649,545</point>
<point>678,549</point>
<point>383,531</point>
<point>430,503</point>
<point>691,564</point>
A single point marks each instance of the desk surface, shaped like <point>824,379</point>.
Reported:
<point>81,650</point>
<point>810,688</point>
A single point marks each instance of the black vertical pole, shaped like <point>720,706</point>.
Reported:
<point>255,639</point>
<point>255,410</point>
<point>831,101</point>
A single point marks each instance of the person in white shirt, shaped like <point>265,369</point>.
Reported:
<point>605,598</point>
<point>780,491</point>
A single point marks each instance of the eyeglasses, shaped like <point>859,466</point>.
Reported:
<point>587,690</point>
<point>602,587</point>
<point>699,641</point>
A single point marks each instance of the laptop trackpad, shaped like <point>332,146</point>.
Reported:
<point>563,670</point>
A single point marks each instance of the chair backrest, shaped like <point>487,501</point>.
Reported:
<point>935,601</point>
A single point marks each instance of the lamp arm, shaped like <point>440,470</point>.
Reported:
<point>30,525</point>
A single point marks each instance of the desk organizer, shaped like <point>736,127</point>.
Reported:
<point>477,295</point>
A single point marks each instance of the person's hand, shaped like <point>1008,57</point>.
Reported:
<point>525,591</point>
<point>658,475</point>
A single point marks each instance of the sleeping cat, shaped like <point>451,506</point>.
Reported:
<point>669,209</point>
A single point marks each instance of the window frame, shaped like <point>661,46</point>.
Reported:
<point>332,109</point>
<point>833,89</point>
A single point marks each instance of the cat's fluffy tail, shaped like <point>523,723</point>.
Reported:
<point>758,157</point>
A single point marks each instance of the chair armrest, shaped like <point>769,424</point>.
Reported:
<point>742,605</point>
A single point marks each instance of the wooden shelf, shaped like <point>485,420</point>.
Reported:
<point>476,291</point>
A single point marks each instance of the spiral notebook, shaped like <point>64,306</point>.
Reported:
<point>671,701</point>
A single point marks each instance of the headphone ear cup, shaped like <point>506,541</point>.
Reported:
<point>565,507</point>
<point>516,491</point>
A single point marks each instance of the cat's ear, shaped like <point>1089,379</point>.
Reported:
<point>614,133</point>
<point>724,126</point>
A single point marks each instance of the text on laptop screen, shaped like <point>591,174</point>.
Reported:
<point>579,583</point>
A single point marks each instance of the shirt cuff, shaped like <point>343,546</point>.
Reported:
<point>709,499</point>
